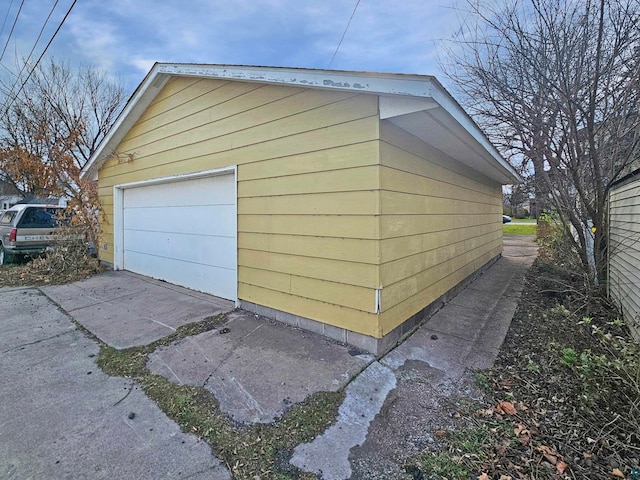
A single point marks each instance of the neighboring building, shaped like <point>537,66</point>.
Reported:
<point>9,195</point>
<point>345,203</point>
<point>624,248</point>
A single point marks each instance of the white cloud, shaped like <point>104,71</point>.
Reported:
<point>128,36</point>
<point>142,64</point>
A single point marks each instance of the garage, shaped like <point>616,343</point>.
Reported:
<point>363,199</point>
<point>181,230</point>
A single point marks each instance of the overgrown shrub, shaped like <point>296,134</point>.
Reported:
<point>70,259</point>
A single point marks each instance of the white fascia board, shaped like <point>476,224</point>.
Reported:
<point>453,108</point>
<point>180,177</point>
<point>365,82</point>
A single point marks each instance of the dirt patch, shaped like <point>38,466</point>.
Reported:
<point>424,404</point>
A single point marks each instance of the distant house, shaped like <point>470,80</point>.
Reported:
<point>624,248</point>
<point>9,195</point>
<point>345,203</point>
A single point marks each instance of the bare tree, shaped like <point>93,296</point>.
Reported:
<point>50,127</point>
<point>557,84</point>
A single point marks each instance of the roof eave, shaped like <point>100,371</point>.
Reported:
<point>396,85</point>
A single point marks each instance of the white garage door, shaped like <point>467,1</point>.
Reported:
<point>183,232</point>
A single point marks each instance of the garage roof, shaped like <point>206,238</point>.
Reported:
<point>418,104</point>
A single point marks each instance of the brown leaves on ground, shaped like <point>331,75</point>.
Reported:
<point>57,267</point>
<point>506,408</point>
<point>546,418</point>
<point>568,421</point>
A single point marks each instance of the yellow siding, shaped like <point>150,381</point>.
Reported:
<point>308,187</point>
<point>227,150</point>
<point>343,249</point>
<point>439,222</point>
<point>333,204</point>
<point>417,301</point>
<point>354,320</point>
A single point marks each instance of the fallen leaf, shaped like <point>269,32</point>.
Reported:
<point>524,440</point>
<point>440,433</point>
<point>552,459</point>
<point>521,430</point>
<point>485,413</point>
<point>616,472</point>
<point>506,407</point>
<point>545,449</point>
<point>484,476</point>
<point>505,477</point>
<point>506,384</point>
<point>501,450</point>
<point>561,466</point>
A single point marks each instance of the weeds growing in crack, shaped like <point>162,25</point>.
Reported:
<point>249,451</point>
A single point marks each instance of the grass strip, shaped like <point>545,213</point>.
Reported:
<point>519,229</point>
<point>250,451</point>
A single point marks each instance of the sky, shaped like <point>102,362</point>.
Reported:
<point>126,37</point>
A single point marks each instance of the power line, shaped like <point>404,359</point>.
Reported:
<point>6,16</point>
<point>35,65</point>
<point>26,62</point>
<point>11,32</point>
<point>344,33</point>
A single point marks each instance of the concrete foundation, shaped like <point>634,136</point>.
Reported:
<point>376,346</point>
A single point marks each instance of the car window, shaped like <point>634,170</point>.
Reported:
<point>35,217</point>
<point>8,216</point>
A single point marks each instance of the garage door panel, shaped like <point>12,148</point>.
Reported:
<point>196,276</point>
<point>210,190</point>
<point>216,220</point>
<point>184,232</point>
<point>204,249</point>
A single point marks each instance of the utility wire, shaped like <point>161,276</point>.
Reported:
<point>344,33</point>
<point>35,65</point>
<point>11,32</point>
<point>6,16</point>
<point>26,62</point>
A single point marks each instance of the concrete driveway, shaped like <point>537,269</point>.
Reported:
<point>61,417</point>
<point>124,309</point>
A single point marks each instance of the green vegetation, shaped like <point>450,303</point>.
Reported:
<point>462,452</point>
<point>562,398</point>
<point>509,229</point>
<point>569,357</point>
<point>250,452</point>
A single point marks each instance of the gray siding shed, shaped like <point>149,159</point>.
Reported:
<point>624,248</point>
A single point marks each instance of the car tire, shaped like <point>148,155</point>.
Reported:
<point>5,258</point>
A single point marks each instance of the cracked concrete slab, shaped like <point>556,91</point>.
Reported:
<point>62,417</point>
<point>260,367</point>
<point>465,334</point>
<point>328,454</point>
<point>124,309</point>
